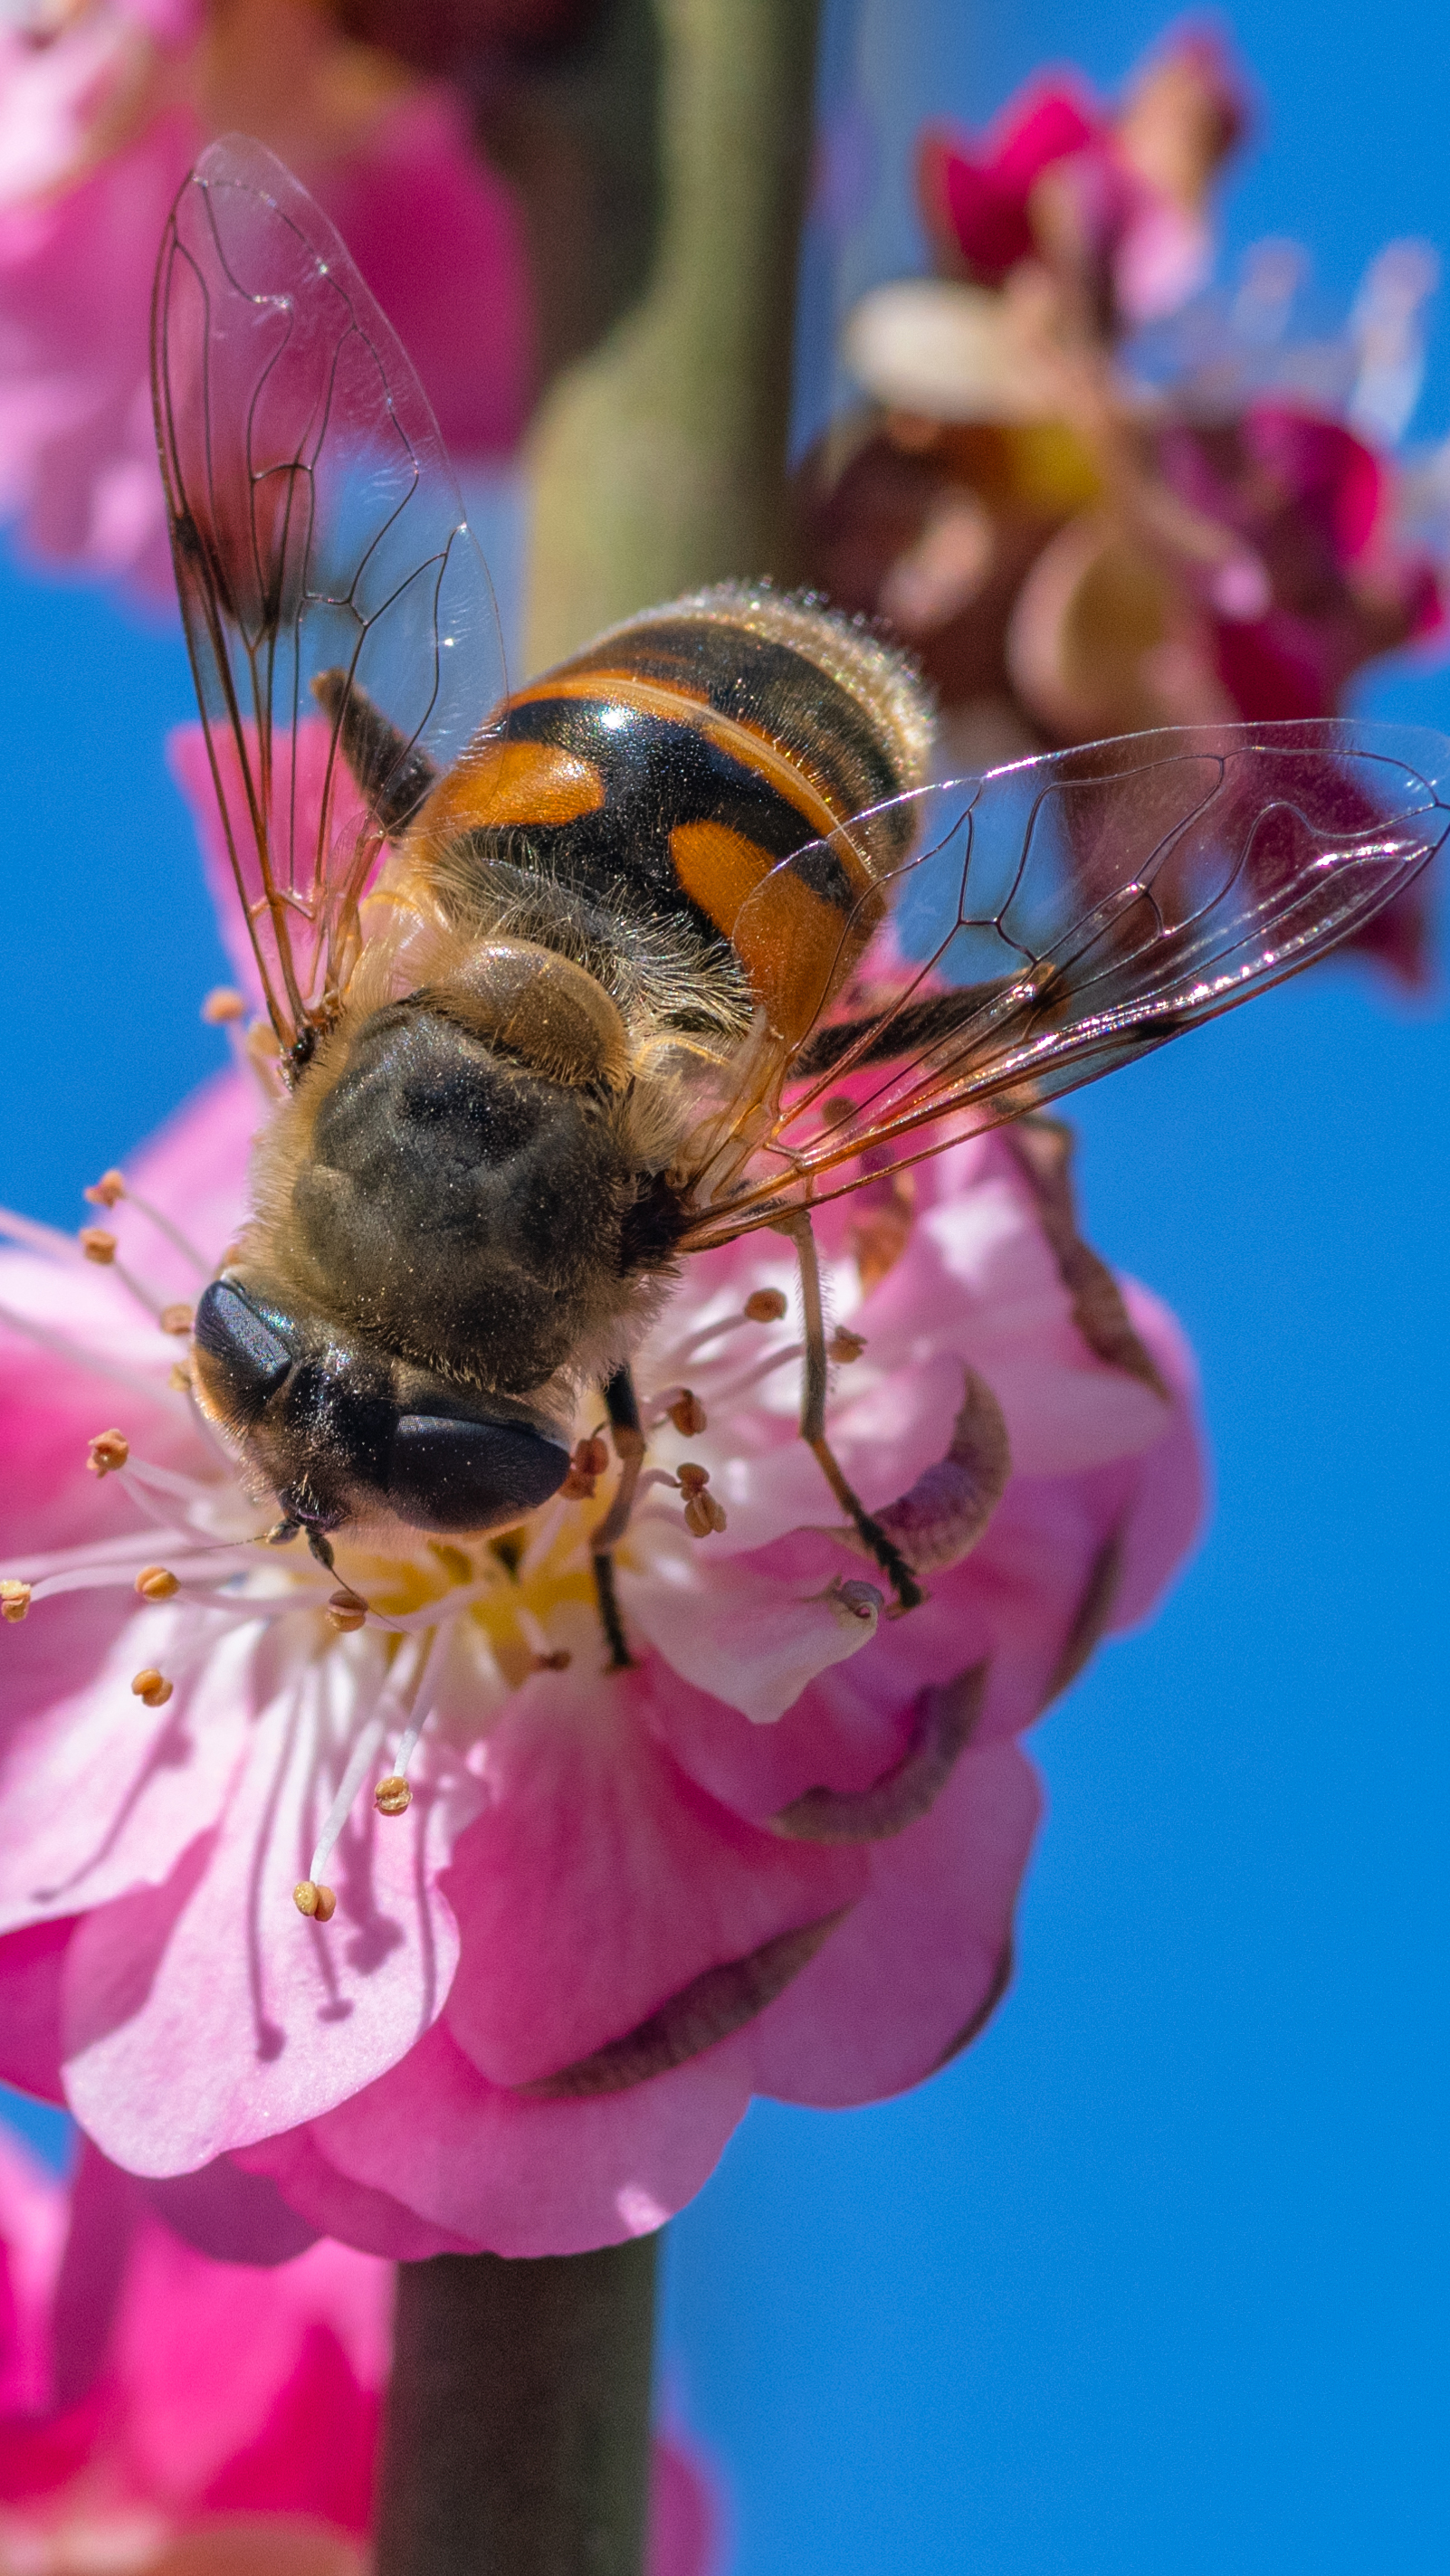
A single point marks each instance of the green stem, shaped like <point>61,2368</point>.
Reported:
<point>517,2433</point>
<point>659,462</point>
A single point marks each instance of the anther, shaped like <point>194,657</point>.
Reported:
<point>703,1514</point>
<point>157,1583</point>
<point>178,1377</point>
<point>105,1192</point>
<point>108,1451</point>
<point>692,1479</point>
<point>319,1903</point>
<point>557,1662</point>
<point>392,1796</point>
<point>98,1245</point>
<point>152,1687</point>
<point>845,1346</point>
<point>688,1414</point>
<point>176,1319</point>
<point>765,1305</point>
<point>589,1462</point>
<point>347,1610</point>
<point>221,1005</point>
<point>14,1600</point>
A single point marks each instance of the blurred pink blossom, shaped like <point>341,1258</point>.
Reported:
<point>173,2415</point>
<point>100,121</point>
<point>1121,191</point>
<point>780,1854</point>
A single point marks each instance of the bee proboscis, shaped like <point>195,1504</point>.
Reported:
<point>678,941</point>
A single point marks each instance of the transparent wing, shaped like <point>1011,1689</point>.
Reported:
<point>1061,917</point>
<point>317,530</point>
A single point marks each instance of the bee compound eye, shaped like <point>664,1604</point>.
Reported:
<point>446,1474</point>
<point>243,1347</point>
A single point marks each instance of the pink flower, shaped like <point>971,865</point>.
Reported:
<point>1119,195</point>
<point>160,2411</point>
<point>99,124</point>
<point>779,1854</point>
<point>1313,502</point>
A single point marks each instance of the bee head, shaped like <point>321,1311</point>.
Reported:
<point>342,1432</point>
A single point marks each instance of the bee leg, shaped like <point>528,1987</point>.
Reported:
<point>393,774</point>
<point>813,1419</point>
<point>622,1405</point>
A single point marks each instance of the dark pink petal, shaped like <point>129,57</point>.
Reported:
<point>466,319</point>
<point>685,2510</point>
<point>31,1965</point>
<point>229,2215</point>
<point>361,2216</point>
<point>921,1960</point>
<point>599,1881</point>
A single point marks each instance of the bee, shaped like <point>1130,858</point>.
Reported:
<point>678,941</point>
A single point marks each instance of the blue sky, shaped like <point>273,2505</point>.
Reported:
<point>1156,2277</point>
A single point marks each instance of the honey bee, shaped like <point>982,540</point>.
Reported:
<point>678,941</point>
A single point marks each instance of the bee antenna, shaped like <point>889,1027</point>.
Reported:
<point>280,1532</point>
<point>321,1547</point>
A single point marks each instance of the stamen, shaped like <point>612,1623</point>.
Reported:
<point>14,1600</point>
<point>589,1462</point>
<point>37,1237</point>
<point>110,1189</point>
<point>702,1513</point>
<point>845,1346</point>
<point>98,1244</point>
<point>223,1003</point>
<point>392,1796</point>
<point>765,1305</point>
<point>108,1451</point>
<point>688,1414</point>
<point>364,1754</point>
<point>157,1583</point>
<point>95,1363</point>
<point>423,1697</point>
<point>178,1377</point>
<point>346,1609</point>
<point>318,1903</point>
<point>152,1687</point>
<point>177,1319</point>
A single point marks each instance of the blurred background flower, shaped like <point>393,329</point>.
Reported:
<point>165,2414</point>
<point>496,211</point>
<point>1091,511</point>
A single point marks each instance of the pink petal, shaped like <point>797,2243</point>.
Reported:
<point>31,1967</point>
<point>102,1793</point>
<point>522,2177</point>
<point>598,1881</point>
<point>921,1959</point>
<point>685,2515</point>
<point>736,1628</point>
<point>373,2221</point>
<point>207,2012</point>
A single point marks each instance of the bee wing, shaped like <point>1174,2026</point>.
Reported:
<point>1064,915</point>
<point>316,528</point>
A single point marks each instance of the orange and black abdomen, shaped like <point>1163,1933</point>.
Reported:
<point>692,767</point>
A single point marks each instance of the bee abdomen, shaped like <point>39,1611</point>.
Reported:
<point>715,763</point>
